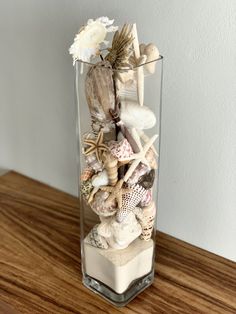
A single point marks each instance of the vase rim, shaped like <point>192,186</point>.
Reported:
<point>160,58</point>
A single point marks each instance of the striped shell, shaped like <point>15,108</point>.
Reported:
<point>99,91</point>
<point>111,166</point>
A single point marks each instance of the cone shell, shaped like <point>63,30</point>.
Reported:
<point>86,174</point>
<point>100,207</point>
<point>121,149</point>
<point>111,166</point>
<point>99,91</point>
<point>130,201</point>
<point>148,221</point>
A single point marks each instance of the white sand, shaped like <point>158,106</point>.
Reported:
<point>118,268</point>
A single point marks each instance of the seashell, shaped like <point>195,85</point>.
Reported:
<point>147,198</point>
<point>151,158</point>
<point>86,188</point>
<point>111,166</point>
<point>148,220</point>
<point>99,90</point>
<point>119,235</point>
<point>135,116</point>
<point>121,149</point>
<point>152,53</point>
<point>92,162</point>
<point>86,174</point>
<point>147,180</point>
<point>94,239</point>
<point>99,206</point>
<point>100,179</point>
<point>130,201</point>
<point>140,170</point>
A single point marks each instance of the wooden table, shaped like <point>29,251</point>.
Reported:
<point>40,262</point>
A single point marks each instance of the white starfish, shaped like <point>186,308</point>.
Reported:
<point>139,157</point>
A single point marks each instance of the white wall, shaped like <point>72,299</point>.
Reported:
<point>198,161</point>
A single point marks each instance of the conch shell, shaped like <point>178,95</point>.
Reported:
<point>99,91</point>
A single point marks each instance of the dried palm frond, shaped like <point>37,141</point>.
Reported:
<point>121,48</point>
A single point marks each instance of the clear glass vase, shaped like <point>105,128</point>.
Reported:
<point>118,128</point>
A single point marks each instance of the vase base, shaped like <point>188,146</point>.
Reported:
<point>115,298</point>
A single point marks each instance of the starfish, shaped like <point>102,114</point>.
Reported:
<point>96,146</point>
<point>139,157</point>
<point>116,192</point>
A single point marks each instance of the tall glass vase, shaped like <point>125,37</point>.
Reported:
<point>118,128</point>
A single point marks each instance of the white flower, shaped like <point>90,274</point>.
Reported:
<point>87,42</point>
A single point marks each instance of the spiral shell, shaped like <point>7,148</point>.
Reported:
<point>140,170</point>
<point>99,206</point>
<point>93,163</point>
<point>148,220</point>
<point>111,166</point>
<point>86,174</point>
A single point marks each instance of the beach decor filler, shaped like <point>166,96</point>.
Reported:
<point>118,92</point>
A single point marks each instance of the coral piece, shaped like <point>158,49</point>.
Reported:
<point>101,207</point>
<point>135,116</point>
<point>121,48</point>
<point>86,174</point>
<point>111,166</point>
<point>95,239</point>
<point>95,146</point>
<point>87,41</point>
<point>130,201</point>
<point>121,149</point>
<point>116,192</point>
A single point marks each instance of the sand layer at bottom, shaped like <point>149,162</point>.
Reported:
<point>118,268</point>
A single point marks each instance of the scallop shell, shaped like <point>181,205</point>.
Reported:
<point>121,149</point>
<point>99,90</point>
<point>130,201</point>
<point>100,208</point>
<point>100,179</point>
<point>145,201</point>
<point>86,174</point>
<point>148,220</point>
<point>111,166</point>
<point>94,239</point>
<point>135,116</point>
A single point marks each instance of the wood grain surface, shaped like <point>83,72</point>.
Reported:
<point>40,262</point>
